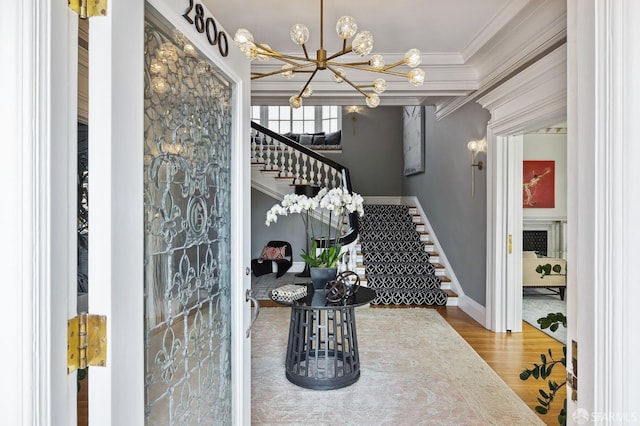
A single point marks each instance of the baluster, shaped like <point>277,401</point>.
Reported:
<point>312,173</point>
<point>261,152</point>
<point>304,169</point>
<point>337,178</point>
<point>275,144</point>
<point>297,174</point>
<point>290,161</point>
<point>326,175</point>
<point>283,161</point>
<point>254,147</point>
<point>266,149</point>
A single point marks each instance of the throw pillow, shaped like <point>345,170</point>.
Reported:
<point>273,253</point>
<point>319,139</point>
<point>293,136</point>
<point>333,138</point>
<point>306,139</point>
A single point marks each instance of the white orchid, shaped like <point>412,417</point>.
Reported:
<point>335,201</point>
<point>273,213</point>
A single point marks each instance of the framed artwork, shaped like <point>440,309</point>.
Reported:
<point>538,184</point>
<point>413,139</point>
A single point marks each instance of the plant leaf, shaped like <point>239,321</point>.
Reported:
<point>536,372</point>
<point>541,410</point>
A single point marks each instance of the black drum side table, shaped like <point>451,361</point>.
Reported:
<point>322,350</point>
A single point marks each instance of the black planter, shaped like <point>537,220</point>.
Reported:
<point>321,276</point>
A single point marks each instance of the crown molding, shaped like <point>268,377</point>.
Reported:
<point>500,20</point>
<point>537,29</point>
<point>544,87</point>
<point>448,106</point>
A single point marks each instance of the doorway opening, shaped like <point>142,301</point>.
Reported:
<point>544,225</point>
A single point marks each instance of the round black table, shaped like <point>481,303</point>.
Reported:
<point>322,350</point>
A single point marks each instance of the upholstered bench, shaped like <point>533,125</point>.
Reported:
<point>555,282</point>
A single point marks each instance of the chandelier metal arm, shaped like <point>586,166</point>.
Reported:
<point>344,51</point>
<point>307,83</point>
<point>379,71</point>
<point>348,81</point>
<point>395,64</point>
<point>296,67</point>
<point>348,64</point>
<point>283,57</point>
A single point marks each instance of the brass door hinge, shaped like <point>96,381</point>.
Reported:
<point>572,376</point>
<point>86,342</point>
<point>87,8</point>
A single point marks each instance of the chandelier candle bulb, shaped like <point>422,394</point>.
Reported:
<point>362,45</point>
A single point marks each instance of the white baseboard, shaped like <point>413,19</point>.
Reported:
<point>473,309</point>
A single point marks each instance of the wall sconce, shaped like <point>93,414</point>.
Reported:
<point>476,147</point>
<point>354,110</point>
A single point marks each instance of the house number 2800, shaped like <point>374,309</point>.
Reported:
<point>208,26</point>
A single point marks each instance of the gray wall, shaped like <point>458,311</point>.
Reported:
<point>372,150</point>
<point>444,191</point>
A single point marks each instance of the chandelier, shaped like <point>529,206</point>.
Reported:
<point>361,45</point>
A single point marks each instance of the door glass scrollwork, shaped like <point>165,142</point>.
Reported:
<point>187,154</point>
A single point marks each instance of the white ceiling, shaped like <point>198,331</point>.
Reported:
<point>454,36</point>
<point>431,26</point>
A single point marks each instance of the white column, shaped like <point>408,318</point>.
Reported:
<point>604,204</point>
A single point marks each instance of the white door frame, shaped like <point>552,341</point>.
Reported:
<point>38,250</point>
<point>533,99</point>
<point>604,106</point>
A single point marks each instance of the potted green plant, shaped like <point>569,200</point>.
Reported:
<point>318,215</point>
<point>543,370</point>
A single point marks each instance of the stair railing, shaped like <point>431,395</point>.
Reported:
<point>303,165</point>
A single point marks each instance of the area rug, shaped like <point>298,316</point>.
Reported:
<point>537,303</point>
<point>415,370</point>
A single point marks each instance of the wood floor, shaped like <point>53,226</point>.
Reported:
<point>507,354</point>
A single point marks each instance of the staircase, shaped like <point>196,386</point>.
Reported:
<point>394,253</point>
<point>397,259</point>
